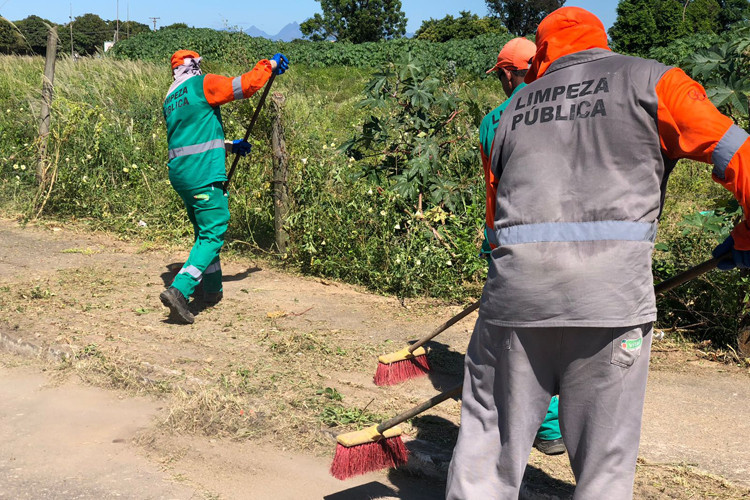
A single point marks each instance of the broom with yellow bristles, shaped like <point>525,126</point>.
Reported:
<point>411,362</point>
<point>379,446</point>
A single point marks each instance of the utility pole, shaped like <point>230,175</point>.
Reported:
<point>154,19</point>
<point>72,52</point>
<point>117,25</point>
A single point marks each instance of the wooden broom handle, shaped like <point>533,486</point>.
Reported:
<point>662,287</point>
<point>455,319</point>
<point>426,405</point>
<point>686,276</point>
<point>250,127</point>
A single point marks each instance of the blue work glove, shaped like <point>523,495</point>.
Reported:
<point>740,258</point>
<point>241,147</point>
<point>282,63</point>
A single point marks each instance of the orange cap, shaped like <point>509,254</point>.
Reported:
<point>565,31</point>
<point>516,54</point>
<point>178,58</point>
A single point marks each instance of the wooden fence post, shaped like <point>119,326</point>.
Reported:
<point>743,330</point>
<point>280,173</point>
<point>47,91</point>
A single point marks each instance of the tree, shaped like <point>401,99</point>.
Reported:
<point>643,25</point>
<point>733,11</point>
<point>132,28</point>
<point>356,21</point>
<point>634,30</point>
<point>89,34</point>
<point>466,26</point>
<point>174,26</point>
<point>34,29</point>
<point>10,39</point>
<point>702,16</point>
<point>521,17</point>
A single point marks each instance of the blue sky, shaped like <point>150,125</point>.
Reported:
<point>268,16</point>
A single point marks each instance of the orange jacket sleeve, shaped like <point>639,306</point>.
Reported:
<point>490,182</point>
<point>691,127</point>
<point>223,89</point>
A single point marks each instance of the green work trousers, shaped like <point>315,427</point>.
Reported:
<point>550,428</point>
<point>208,210</point>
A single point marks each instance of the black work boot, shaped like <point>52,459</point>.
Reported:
<point>211,299</point>
<point>550,446</point>
<point>178,306</point>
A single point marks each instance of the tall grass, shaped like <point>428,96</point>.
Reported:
<point>108,148</point>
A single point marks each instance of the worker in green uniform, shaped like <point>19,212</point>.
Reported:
<point>197,171</point>
<point>512,63</point>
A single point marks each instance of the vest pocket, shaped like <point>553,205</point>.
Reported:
<point>626,346</point>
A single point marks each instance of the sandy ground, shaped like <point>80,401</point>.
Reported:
<point>285,337</point>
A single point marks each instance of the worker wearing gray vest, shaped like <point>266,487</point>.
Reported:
<point>197,171</point>
<point>581,157</point>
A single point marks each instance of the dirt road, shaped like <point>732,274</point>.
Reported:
<point>243,403</point>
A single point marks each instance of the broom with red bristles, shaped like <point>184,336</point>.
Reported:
<point>411,362</point>
<point>379,446</point>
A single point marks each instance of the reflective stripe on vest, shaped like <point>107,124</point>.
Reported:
<point>237,88</point>
<point>577,231</point>
<point>196,148</point>
<point>725,150</point>
<point>491,236</point>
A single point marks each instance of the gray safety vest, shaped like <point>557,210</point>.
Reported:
<point>581,184</point>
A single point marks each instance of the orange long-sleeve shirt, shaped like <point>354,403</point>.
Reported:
<point>223,89</point>
<point>691,127</point>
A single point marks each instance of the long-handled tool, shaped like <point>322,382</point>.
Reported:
<point>379,446</point>
<point>250,127</point>
<point>691,273</point>
<point>411,362</point>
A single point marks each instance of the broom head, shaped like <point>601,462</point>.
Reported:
<point>401,366</point>
<point>367,450</point>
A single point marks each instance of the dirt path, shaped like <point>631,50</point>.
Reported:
<point>248,397</point>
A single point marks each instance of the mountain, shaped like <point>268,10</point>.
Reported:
<point>288,33</point>
<point>253,31</point>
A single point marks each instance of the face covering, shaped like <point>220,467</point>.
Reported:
<point>190,68</point>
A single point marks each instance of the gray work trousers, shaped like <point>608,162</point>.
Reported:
<point>510,375</point>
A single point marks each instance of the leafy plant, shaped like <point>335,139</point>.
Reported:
<point>413,138</point>
<point>475,54</point>
<point>330,393</point>
<point>725,70</point>
<point>337,415</point>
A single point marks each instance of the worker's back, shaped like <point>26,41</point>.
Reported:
<point>195,136</point>
<point>580,172</point>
